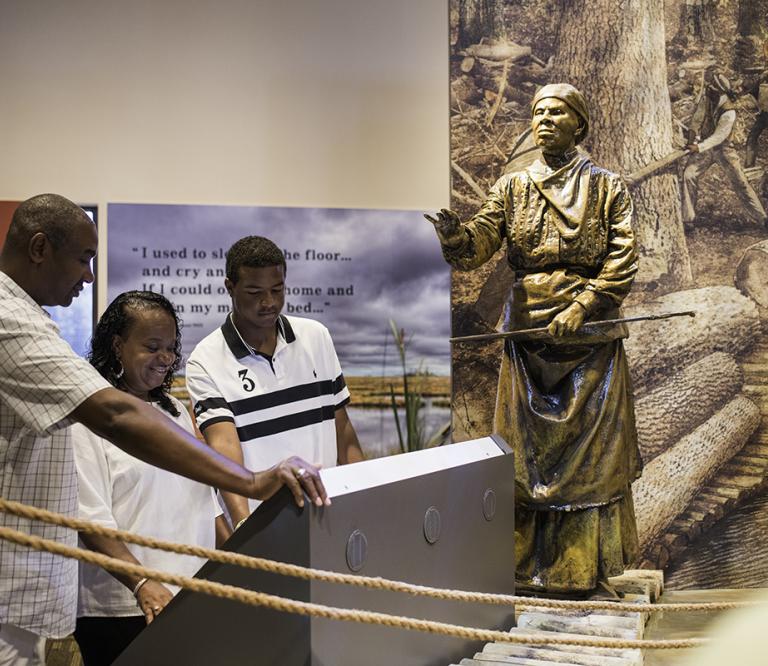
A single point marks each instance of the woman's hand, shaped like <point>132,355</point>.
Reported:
<point>568,321</point>
<point>152,597</point>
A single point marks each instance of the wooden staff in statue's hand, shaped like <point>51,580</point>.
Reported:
<point>525,333</point>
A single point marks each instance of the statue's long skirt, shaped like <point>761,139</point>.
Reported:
<point>567,412</point>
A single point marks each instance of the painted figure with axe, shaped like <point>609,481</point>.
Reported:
<point>711,129</point>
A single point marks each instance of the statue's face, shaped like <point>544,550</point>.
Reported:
<point>555,125</point>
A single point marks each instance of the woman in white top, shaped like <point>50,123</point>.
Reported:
<point>136,346</point>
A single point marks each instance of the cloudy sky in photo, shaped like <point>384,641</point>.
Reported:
<point>390,260</point>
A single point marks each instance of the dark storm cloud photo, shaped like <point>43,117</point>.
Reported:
<point>354,270</point>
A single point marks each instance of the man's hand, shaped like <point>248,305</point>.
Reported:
<point>300,477</point>
<point>447,224</point>
<point>692,147</point>
<point>568,321</point>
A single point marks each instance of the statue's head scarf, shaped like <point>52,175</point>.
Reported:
<point>571,96</point>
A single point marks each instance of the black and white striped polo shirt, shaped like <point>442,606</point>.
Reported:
<point>281,406</point>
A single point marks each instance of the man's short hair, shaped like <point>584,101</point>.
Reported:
<point>252,252</point>
<point>50,214</point>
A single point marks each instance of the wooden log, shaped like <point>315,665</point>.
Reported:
<point>575,613</point>
<point>608,626</point>
<point>752,273</point>
<point>670,481</point>
<point>654,577</point>
<point>612,652</point>
<point>634,586</point>
<point>571,654</point>
<point>684,401</point>
<point>499,51</point>
<point>725,320</point>
<point>512,660</point>
<point>488,659</point>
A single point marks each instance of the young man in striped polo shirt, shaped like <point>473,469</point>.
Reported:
<point>265,385</point>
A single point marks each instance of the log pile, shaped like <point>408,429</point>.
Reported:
<point>742,477</point>
<point>694,418</point>
<point>634,586</point>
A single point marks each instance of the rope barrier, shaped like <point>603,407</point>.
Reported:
<point>371,582</point>
<point>282,604</point>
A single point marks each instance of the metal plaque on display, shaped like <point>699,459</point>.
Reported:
<point>442,517</point>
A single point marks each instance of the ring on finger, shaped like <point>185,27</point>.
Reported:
<point>300,472</point>
<point>156,608</point>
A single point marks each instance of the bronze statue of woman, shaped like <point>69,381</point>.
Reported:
<point>564,401</point>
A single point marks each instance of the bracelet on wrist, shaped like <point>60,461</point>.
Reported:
<point>139,585</point>
<point>240,523</point>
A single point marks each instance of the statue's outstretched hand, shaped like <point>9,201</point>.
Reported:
<point>568,321</point>
<point>447,225</point>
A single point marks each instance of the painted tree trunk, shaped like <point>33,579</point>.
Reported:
<point>480,19</point>
<point>613,51</point>
<point>750,12</point>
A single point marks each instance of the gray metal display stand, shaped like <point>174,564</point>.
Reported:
<point>442,517</point>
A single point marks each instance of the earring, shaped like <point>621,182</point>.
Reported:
<point>119,373</point>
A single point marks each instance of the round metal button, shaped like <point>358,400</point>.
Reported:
<point>489,504</point>
<point>357,550</point>
<point>432,525</point>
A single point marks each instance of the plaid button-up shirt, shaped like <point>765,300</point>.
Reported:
<point>41,382</point>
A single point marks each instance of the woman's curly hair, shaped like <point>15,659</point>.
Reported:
<point>117,320</point>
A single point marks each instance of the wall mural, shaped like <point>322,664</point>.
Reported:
<point>678,95</point>
<point>353,270</point>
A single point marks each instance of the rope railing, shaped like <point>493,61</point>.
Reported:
<point>254,598</point>
<point>371,582</point>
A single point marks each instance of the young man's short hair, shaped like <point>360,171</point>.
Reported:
<point>252,252</point>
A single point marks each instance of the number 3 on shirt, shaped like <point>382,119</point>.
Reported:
<point>248,383</point>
